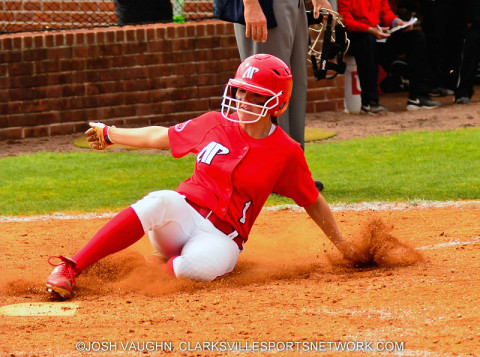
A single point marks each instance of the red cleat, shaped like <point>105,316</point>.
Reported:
<point>62,279</point>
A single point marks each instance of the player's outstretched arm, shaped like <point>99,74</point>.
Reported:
<point>100,136</point>
<point>323,217</point>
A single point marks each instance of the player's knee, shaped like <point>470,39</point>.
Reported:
<point>206,259</point>
<point>154,208</point>
<point>195,267</point>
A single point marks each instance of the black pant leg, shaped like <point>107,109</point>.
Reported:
<point>470,59</point>
<point>443,22</point>
<point>364,48</point>
<point>413,44</point>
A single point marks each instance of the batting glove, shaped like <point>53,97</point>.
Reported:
<point>97,136</point>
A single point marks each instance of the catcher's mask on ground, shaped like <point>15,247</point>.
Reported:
<point>261,74</point>
<point>328,44</point>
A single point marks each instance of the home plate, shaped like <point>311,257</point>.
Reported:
<point>40,309</point>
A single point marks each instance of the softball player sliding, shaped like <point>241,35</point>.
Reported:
<point>242,157</point>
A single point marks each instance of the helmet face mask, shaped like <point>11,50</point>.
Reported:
<point>260,74</point>
<point>328,44</point>
<point>232,104</point>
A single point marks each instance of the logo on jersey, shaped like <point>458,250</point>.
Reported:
<point>246,206</point>
<point>250,72</point>
<point>210,151</point>
<point>181,126</point>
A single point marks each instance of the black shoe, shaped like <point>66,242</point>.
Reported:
<point>441,92</point>
<point>319,185</point>
<point>462,100</point>
<point>422,102</point>
<point>373,109</point>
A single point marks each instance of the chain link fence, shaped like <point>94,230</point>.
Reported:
<point>41,15</point>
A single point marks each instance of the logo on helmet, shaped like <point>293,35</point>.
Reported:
<point>250,72</point>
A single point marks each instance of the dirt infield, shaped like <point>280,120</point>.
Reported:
<point>285,294</point>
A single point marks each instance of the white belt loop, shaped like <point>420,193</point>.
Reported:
<point>232,235</point>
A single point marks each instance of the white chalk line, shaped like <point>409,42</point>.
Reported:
<point>449,244</point>
<point>386,206</point>
<point>398,206</point>
<point>56,216</point>
<point>364,206</point>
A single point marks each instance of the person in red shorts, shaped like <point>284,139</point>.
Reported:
<point>241,158</point>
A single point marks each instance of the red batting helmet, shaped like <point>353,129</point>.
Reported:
<point>261,74</point>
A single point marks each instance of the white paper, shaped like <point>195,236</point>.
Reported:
<point>396,28</point>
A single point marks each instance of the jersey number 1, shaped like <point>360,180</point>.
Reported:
<point>245,209</point>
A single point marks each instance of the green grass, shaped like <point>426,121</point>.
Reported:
<point>402,167</point>
<point>442,165</point>
<point>93,181</point>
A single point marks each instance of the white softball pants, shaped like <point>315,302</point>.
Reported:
<point>176,229</point>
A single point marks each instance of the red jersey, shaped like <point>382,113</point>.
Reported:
<point>359,15</point>
<point>234,173</point>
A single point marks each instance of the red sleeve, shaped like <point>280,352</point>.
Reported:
<point>345,10</point>
<point>296,180</point>
<point>359,15</point>
<point>185,137</point>
<point>386,14</point>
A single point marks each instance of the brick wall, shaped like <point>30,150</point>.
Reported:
<point>34,15</point>
<point>53,83</point>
